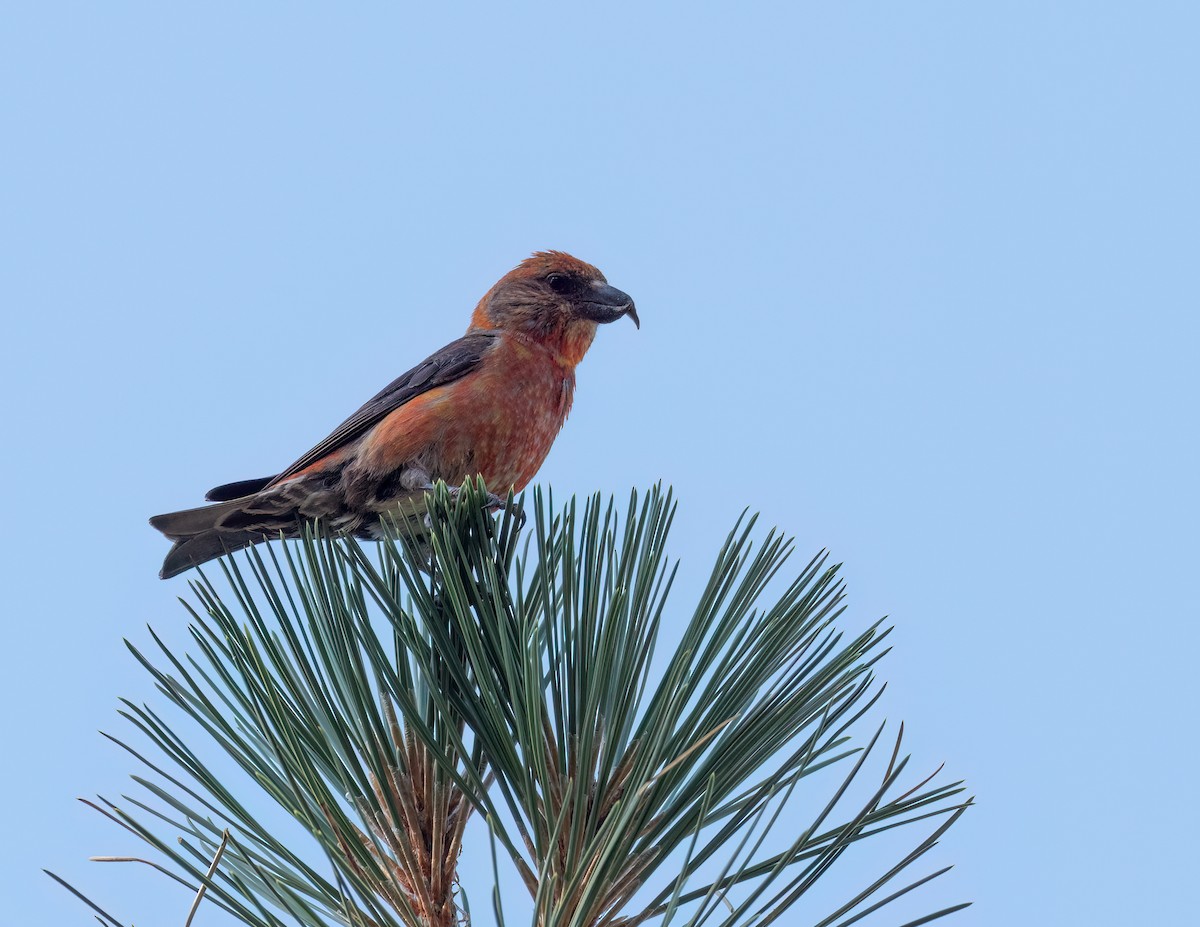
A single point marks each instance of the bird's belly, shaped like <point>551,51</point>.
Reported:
<point>506,430</point>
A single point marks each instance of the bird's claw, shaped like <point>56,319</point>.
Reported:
<point>516,512</point>
<point>496,504</point>
<point>492,502</point>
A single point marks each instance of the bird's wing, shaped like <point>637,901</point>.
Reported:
<point>229,491</point>
<point>452,362</point>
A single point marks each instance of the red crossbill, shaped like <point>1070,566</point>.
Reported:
<point>489,404</point>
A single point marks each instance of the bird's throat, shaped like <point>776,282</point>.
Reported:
<point>566,346</point>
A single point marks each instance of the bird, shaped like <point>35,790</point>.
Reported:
<point>489,404</point>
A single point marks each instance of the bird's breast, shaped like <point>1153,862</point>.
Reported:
<point>506,416</point>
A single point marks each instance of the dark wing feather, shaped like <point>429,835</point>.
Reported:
<point>227,491</point>
<point>452,362</point>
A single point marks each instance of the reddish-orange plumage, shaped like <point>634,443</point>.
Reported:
<point>489,404</point>
<point>499,422</point>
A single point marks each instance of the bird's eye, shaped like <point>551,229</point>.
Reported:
<point>560,283</point>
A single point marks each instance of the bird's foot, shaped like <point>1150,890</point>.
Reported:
<point>492,502</point>
<point>496,503</point>
<point>512,508</point>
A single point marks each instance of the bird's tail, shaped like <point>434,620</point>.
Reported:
<point>205,533</point>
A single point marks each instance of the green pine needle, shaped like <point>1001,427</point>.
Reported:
<point>630,759</point>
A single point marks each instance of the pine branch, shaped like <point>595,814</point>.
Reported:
<point>383,694</point>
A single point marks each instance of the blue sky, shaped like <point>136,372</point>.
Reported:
<point>917,281</point>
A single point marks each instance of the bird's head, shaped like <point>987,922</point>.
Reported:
<point>555,299</point>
